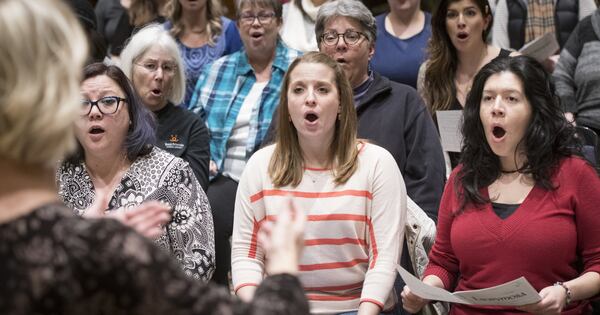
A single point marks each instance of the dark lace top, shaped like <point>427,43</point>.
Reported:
<point>52,262</point>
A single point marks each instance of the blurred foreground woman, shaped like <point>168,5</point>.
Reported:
<point>53,262</point>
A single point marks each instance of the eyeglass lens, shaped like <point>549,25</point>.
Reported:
<point>107,105</point>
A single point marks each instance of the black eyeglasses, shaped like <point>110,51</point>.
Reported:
<point>106,105</point>
<point>263,17</point>
<point>350,38</point>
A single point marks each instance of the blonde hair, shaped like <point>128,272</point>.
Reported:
<point>214,25</point>
<point>146,38</point>
<point>43,50</point>
<point>287,165</point>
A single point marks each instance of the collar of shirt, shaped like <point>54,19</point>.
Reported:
<point>362,89</point>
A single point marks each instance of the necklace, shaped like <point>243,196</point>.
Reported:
<point>316,175</point>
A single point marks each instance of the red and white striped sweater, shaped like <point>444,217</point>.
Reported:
<point>353,236</point>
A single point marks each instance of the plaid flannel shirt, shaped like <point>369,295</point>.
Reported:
<point>220,93</point>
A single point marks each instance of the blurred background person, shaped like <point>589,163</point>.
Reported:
<point>153,63</point>
<point>402,36</point>
<point>203,35</point>
<point>236,95</point>
<point>144,12</point>
<point>298,28</point>
<point>517,22</point>
<point>111,17</point>
<point>522,194</point>
<point>53,262</point>
<point>351,190</point>
<point>87,18</point>
<point>457,50</point>
<point>117,167</point>
<point>577,74</point>
<point>119,19</point>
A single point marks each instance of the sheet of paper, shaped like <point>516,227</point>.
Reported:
<point>513,293</point>
<point>426,291</point>
<point>449,124</point>
<point>541,47</point>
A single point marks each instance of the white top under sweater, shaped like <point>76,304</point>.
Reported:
<point>235,157</point>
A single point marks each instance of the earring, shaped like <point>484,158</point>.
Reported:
<point>289,118</point>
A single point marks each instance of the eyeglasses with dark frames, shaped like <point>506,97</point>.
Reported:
<point>350,37</point>
<point>263,17</point>
<point>107,105</point>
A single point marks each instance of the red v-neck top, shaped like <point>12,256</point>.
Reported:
<point>554,235</point>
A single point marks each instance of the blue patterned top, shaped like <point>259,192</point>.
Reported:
<point>220,93</point>
<point>196,58</point>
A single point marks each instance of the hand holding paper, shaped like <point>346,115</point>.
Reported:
<point>514,293</point>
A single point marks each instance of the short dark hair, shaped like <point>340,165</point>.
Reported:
<point>548,139</point>
<point>141,135</point>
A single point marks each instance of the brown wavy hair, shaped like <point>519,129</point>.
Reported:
<point>214,25</point>
<point>439,89</point>
<point>287,165</point>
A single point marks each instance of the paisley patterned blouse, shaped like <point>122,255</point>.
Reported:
<point>189,236</point>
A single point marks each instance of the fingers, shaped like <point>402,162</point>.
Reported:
<point>552,302</point>
<point>410,302</point>
<point>264,235</point>
<point>298,218</point>
<point>149,218</point>
<point>283,240</point>
<point>212,168</point>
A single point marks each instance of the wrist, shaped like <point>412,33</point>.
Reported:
<point>567,291</point>
<point>279,264</point>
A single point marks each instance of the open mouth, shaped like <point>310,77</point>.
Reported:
<point>256,35</point>
<point>462,35</point>
<point>156,92</point>
<point>311,117</point>
<point>498,132</point>
<point>96,130</point>
<point>340,61</point>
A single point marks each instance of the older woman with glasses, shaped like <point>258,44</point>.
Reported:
<point>237,95</point>
<point>152,61</point>
<point>117,167</point>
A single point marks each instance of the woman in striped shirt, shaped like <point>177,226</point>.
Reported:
<point>351,191</point>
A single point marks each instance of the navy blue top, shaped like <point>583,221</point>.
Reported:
<point>399,59</point>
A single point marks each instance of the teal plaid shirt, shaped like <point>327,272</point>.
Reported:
<point>221,90</point>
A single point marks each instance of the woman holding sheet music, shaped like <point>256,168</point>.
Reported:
<point>522,202</point>
<point>457,50</point>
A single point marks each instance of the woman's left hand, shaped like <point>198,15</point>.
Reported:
<point>553,301</point>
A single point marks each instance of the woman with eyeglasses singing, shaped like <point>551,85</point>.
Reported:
<point>237,95</point>
<point>152,62</point>
<point>117,167</point>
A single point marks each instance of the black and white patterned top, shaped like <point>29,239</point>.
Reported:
<point>189,236</point>
<point>52,262</point>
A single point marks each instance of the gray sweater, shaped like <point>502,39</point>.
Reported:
<point>577,74</point>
